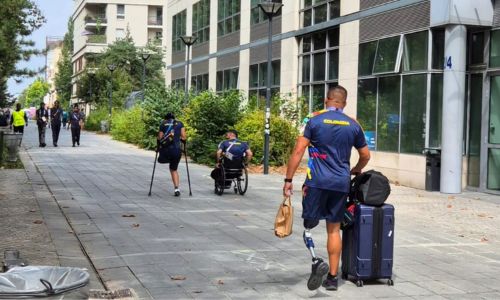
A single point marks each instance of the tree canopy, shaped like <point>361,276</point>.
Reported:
<point>65,73</point>
<point>18,20</point>
<point>35,92</point>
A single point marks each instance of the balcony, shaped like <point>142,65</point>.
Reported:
<point>96,39</point>
<point>155,21</point>
<point>97,20</point>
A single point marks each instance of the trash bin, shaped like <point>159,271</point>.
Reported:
<point>104,126</point>
<point>432,169</point>
<point>39,281</point>
<point>12,141</point>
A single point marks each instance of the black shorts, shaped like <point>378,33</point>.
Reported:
<point>171,155</point>
<point>19,129</point>
<point>319,204</point>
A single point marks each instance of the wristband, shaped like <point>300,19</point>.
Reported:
<point>288,180</point>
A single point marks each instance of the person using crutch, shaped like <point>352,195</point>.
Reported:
<point>170,136</point>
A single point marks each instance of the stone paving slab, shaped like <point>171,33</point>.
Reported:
<point>446,247</point>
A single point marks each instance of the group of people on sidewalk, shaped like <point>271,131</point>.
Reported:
<point>53,118</point>
<point>329,136</point>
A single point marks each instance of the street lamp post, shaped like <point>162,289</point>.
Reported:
<point>270,9</point>
<point>111,68</point>
<point>188,41</point>
<point>91,72</point>
<point>145,56</point>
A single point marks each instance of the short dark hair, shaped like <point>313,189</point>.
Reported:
<point>337,90</point>
<point>169,116</point>
<point>233,131</point>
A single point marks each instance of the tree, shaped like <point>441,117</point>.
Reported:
<point>63,77</point>
<point>93,87</point>
<point>18,19</point>
<point>35,92</point>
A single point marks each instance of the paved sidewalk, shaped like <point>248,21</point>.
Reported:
<point>212,247</point>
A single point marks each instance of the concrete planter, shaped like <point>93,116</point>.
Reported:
<point>12,141</point>
<point>104,126</point>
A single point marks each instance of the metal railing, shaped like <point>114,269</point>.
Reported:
<point>101,18</point>
<point>97,39</point>
<point>158,21</point>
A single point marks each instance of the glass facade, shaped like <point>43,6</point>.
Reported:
<point>474,147</point>
<point>392,94</point>
<point>495,49</point>
<point>199,83</point>
<point>228,17</point>
<point>201,21</point>
<point>258,79</point>
<point>319,59</point>
<point>318,11</point>
<point>227,79</point>
<point>178,30</point>
<point>178,84</point>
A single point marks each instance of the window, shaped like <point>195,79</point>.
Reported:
<point>367,109</point>
<point>388,114</point>
<point>178,30</point>
<point>257,15</point>
<point>366,58</point>
<point>438,49</point>
<point>319,64</point>
<point>120,11</point>
<point>227,80</point>
<point>495,49</point>
<point>415,52</point>
<point>477,48</point>
<point>228,17</point>
<point>386,57</point>
<point>258,79</point>
<point>413,109</point>
<point>318,11</point>
<point>436,110</point>
<point>201,21</point>
<point>199,83</point>
<point>179,84</point>
<point>120,33</point>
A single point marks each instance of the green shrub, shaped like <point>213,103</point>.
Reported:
<point>282,138</point>
<point>207,117</point>
<point>128,126</point>
<point>158,101</point>
<point>93,122</point>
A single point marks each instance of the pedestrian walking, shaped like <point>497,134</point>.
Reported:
<point>76,123</point>
<point>42,117</point>
<point>329,136</point>
<point>170,136</point>
<point>4,119</point>
<point>18,119</point>
<point>55,121</point>
<point>64,118</point>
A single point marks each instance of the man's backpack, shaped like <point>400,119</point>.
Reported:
<point>370,188</point>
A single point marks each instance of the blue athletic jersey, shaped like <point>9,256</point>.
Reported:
<point>172,126</point>
<point>237,149</point>
<point>332,135</point>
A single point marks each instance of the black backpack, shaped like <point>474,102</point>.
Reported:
<point>370,188</point>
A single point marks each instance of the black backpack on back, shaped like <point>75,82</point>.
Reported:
<point>370,188</point>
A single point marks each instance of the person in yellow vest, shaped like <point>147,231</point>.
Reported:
<point>18,119</point>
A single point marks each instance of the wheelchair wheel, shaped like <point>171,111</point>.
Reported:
<point>243,182</point>
<point>220,184</point>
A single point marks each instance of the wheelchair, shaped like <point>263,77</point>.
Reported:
<point>232,173</point>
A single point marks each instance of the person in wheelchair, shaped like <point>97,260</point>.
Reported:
<point>232,153</point>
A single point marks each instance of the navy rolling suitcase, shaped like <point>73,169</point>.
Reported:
<point>368,245</point>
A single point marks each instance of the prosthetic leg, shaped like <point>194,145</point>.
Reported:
<point>319,268</point>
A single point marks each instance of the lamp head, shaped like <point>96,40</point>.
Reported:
<point>189,40</point>
<point>270,8</point>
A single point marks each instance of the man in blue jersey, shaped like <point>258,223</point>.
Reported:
<point>234,151</point>
<point>329,136</point>
<point>170,136</point>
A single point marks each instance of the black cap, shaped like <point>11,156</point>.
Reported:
<point>233,131</point>
<point>169,116</point>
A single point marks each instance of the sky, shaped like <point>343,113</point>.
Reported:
<point>57,13</point>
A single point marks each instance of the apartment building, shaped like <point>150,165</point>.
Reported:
<point>98,23</point>
<point>53,48</point>
<point>420,73</point>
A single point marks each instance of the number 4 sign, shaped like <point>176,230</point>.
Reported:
<point>448,63</point>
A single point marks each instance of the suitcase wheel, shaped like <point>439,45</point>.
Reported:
<point>359,283</point>
<point>390,282</point>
